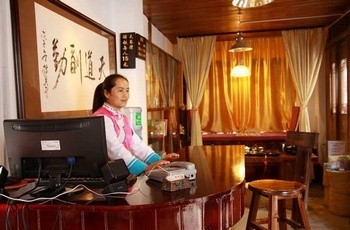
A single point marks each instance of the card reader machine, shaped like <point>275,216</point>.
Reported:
<point>172,169</point>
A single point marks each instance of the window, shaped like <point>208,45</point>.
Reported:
<point>343,86</point>
<point>333,89</point>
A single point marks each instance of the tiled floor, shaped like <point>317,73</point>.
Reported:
<point>319,216</point>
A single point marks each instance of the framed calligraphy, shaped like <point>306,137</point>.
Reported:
<point>141,47</point>
<point>127,50</point>
<point>132,45</point>
<point>60,58</point>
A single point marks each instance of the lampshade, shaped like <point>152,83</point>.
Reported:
<point>250,3</point>
<point>240,46</point>
<point>240,71</point>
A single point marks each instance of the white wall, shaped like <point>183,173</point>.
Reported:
<point>164,44</point>
<point>117,15</point>
<point>7,79</point>
<point>101,11</point>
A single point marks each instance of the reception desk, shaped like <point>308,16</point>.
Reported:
<point>215,200</point>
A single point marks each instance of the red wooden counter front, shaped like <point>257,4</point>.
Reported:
<point>215,201</point>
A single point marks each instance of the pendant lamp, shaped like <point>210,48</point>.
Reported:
<point>240,71</point>
<point>240,45</point>
<point>250,3</point>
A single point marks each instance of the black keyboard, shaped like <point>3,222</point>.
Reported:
<point>87,181</point>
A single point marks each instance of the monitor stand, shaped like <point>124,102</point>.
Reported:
<point>54,188</point>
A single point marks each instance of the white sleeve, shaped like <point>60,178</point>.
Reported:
<point>139,147</point>
<point>115,149</point>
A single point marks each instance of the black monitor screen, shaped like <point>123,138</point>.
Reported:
<point>56,144</point>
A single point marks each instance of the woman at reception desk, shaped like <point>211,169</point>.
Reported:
<point>214,200</point>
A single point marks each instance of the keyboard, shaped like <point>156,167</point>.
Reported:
<point>87,181</point>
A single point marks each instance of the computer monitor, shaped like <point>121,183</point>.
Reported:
<point>56,145</point>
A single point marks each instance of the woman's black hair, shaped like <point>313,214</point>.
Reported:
<point>107,84</point>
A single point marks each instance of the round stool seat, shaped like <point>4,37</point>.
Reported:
<point>277,187</point>
<point>277,192</point>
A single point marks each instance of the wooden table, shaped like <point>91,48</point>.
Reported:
<point>268,140</point>
<point>271,167</point>
<point>214,201</point>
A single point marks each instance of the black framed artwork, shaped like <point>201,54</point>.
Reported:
<point>60,56</point>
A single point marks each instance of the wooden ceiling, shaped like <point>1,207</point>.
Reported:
<point>187,18</point>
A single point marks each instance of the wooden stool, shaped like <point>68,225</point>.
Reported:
<point>277,192</point>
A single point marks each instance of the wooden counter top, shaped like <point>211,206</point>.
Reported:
<point>214,201</point>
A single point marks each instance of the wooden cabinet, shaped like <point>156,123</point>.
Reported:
<point>165,130</point>
<point>165,90</point>
<point>337,57</point>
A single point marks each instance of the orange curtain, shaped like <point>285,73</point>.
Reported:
<point>262,102</point>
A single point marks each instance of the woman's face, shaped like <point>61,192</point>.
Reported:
<point>119,95</point>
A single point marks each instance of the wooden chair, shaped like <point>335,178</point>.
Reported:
<point>294,123</point>
<point>278,191</point>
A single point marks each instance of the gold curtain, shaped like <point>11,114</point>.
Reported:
<point>196,53</point>
<point>164,77</point>
<point>159,61</point>
<point>305,50</point>
<point>262,102</point>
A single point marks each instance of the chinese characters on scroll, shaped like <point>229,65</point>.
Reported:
<point>71,61</point>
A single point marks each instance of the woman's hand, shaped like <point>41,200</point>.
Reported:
<point>170,156</point>
<point>156,164</point>
<point>164,161</point>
